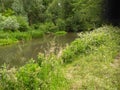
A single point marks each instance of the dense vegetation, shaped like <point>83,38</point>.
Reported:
<point>43,16</point>
<point>69,15</point>
<point>88,63</point>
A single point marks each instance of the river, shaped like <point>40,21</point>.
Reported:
<point>18,54</point>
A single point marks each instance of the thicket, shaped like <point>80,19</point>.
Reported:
<point>67,15</point>
<point>45,73</point>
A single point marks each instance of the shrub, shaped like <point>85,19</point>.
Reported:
<point>28,77</point>
<point>45,74</point>
<point>23,23</point>
<point>8,12</point>
<point>48,27</point>
<point>36,33</point>
<point>10,23</point>
<point>61,24</point>
<point>2,18</point>
<point>85,44</point>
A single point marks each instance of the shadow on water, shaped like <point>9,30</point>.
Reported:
<point>18,55</point>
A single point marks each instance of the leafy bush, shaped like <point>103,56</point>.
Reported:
<point>2,18</point>
<point>36,33</point>
<point>13,23</point>
<point>23,23</point>
<point>85,43</point>
<point>48,27</point>
<point>21,35</point>
<point>10,23</point>
<point>45,74</point>
<point>61,24</point>
<point>8,12</point>
<point>28,76</point>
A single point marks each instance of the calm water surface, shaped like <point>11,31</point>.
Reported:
<point>17,55</point>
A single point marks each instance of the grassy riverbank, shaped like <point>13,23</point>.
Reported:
<point>91,60</point>
<point>87,64</point>
<point>7,38</point>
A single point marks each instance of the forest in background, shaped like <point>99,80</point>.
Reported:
<point>51,15</point>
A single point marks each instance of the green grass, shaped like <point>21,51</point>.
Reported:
<point>7,38</point>
<point>59,33</point>
<point>7,41</point>
<point>90,65</point>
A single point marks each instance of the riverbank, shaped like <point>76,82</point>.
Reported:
<point>7,38</point>
<point>16,55</point>
<point>86,64</point>
<point>93,68</point>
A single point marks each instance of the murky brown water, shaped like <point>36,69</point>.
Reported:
<point>17,55</point>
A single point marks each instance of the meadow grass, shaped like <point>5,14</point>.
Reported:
<point>91,67</point>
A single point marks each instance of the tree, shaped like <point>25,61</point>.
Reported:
<point>34,10</point>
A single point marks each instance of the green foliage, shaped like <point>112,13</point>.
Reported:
<point>36,33</point>
<point>96,68</point>
<point>48,27</point>
<point>27,77</point>
<point>60,33</point>
<point>46,75</point>
<point>8,12</point>
<point>17,6</point>
<point>7,41</point>
<point>61,24</point>
<point>13,37</point>
<point>10,23</point>
<point>21,35</point>
<point>8,79</point>
<point>68,15</point>
<point>23,23</point>
<point>88,13</point>
<point>88,43</point>
<point>93,54</point>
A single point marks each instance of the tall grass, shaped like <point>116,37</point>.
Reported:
<point>43,74</point>
<point>89,42</point>
<point>11,37</point>
<point>92,56</point>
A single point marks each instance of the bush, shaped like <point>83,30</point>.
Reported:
<point>48,27</point>
<point>85,44</point>
<point>44,74</point>
<point>10,23</point>
<point>23,23</point>
<point>61,25</point>
<point>2,19</point>
<point>8,12</point>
